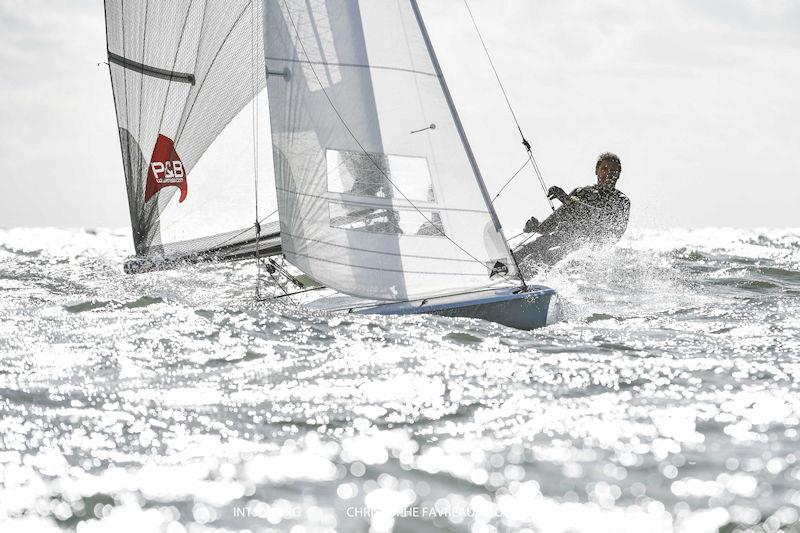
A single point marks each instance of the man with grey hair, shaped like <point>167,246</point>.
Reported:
<point>597,214</point>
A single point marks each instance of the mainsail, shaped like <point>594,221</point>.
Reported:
<point>184,75</point>
<point>378,191</point>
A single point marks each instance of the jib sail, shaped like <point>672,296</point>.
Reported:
<point>379,194</point>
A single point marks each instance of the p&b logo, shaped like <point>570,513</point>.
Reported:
<point>167,172</point>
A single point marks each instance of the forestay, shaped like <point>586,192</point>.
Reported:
<point>379,195</point>
<point>184,74</point>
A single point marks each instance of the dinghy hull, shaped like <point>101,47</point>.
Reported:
<point>525,310</point>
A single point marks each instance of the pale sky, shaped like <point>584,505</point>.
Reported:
<point>699,98</point>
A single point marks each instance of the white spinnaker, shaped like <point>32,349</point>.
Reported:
<point>363,199</point>
<point>187,70</point>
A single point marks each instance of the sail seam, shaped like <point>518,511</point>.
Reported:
<point>361,202</point>
<point>415,256</point>
<point>426,272</point>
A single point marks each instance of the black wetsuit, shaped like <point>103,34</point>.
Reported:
<point>592,215</point>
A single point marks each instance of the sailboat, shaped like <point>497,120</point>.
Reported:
<point>379,196</point>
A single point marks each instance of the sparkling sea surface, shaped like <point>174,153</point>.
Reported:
<point>667,398</point>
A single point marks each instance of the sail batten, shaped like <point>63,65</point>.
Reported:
<point>150,70</point>
<point>378,192</point>
<point>353,65</point>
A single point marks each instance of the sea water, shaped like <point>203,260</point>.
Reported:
<point>666,399</point>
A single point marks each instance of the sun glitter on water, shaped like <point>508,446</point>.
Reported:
<point>665,400</point>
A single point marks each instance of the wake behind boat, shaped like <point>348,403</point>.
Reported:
<point>379,195</point>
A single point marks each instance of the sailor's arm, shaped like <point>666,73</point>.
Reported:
<point>557,193</point>
<point>621,223</point>
<point>559,216</point>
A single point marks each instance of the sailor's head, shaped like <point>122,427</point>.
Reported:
<point>608,169</point>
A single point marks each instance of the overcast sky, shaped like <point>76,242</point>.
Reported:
<point>699,98</point>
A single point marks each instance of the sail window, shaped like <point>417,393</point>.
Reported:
<point>363,174</point>
<point>390,221</point>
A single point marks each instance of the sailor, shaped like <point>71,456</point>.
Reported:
<point>596,215</point>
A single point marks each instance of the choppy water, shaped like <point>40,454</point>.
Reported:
<point>667,400</point>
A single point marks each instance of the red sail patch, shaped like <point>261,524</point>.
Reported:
<point>166,169</point>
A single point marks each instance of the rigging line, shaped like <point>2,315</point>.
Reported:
<point>141,76</point>
<point>496,75</point>
<point>525,164</point>
<point>463,136</point>
<point>369,156</point>
<point>282,270</point>
<point>526,239</point>
<point>292,294</point>
<point>137,229</point>
<point>525,142</point>
<point>254,67</point>
<point>278,283</point>
<point>541,179</point>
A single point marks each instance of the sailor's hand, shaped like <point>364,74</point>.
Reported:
<point>531,225</point>
<point>556,192</point>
